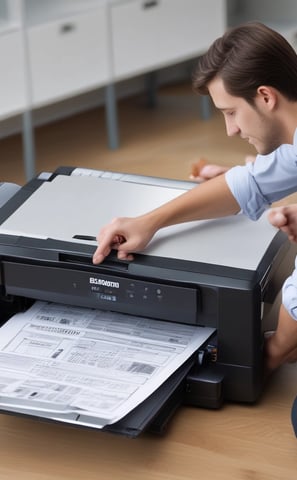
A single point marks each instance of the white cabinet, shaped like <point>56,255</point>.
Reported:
<point>10,15</point>
<point>13,86</point>
<point>149,34</point>
<point>281,16</point>
<point>72,46</point>
<point>68,56</point>
<point>51,50</point>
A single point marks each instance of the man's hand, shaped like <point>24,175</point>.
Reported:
<point>285,218</point>
<point>202,170</point>
<point>126,235</point>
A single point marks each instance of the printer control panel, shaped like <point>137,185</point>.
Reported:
<point>153,298</point>
<point>160,300</point>
<point>133,291</point>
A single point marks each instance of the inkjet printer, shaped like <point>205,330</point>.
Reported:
<point>225,274</point>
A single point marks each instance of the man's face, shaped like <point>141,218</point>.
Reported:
<point>255,123</point>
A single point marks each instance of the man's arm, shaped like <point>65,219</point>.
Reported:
<point>211,199</point>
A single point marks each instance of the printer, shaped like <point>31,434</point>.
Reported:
<point>225,274</point>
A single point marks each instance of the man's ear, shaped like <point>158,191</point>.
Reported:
<point>267,96</point>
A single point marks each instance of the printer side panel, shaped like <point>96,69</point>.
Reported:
<point>240,343</point>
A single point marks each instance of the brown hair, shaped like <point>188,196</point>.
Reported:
<point>246,57</point>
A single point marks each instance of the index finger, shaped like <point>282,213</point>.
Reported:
<point>106,241</point>
<point>101,253</point>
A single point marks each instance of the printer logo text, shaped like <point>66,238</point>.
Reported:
<point>104,283</point>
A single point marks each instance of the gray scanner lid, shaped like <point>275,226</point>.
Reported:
<point>81,205</point>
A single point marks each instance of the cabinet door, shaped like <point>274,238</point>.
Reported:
<point>13,90</point>
<point>68,56</point>
<point>164,32</point>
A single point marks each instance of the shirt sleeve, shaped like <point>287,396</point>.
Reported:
<point>270,178</point>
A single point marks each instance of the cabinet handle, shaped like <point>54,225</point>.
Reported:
<point>67,28</point>
<point>150,4</point>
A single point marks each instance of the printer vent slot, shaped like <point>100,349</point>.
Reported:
<point>76,259</point>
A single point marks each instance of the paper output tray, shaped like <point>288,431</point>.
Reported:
<point>152,415</point>
<point>155,412</point>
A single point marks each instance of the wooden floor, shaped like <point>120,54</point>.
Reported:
<point>237,442</point>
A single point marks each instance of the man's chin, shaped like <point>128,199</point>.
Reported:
<point>263,151</point>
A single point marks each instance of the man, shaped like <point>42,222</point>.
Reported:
<point>251,74</point>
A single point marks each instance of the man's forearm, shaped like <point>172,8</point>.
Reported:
<point>208,200</point>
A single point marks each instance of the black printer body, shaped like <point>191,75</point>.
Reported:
<point>225,274</point>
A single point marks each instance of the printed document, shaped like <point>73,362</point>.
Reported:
<point>87,366</point>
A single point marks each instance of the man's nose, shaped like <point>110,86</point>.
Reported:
<point>232,129</point>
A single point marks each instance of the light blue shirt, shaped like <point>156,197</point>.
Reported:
<point>270,178</point>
